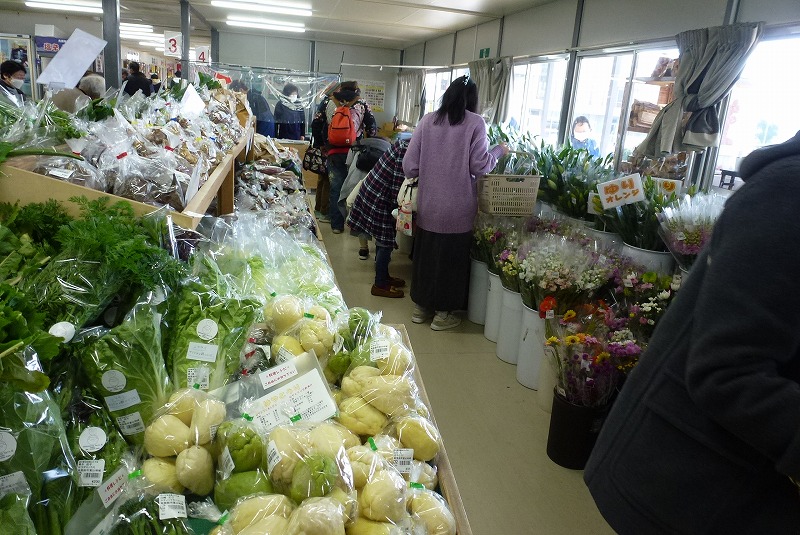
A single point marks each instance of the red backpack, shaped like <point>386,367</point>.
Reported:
<point>342,129</point>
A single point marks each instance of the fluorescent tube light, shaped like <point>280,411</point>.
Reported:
<point>83,8</point>
<point>145,28</point>
<point>242,18</point>
<point>141,36</point>
<point>266,26</point>
<point>246,6</point>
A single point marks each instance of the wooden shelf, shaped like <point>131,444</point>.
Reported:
<point>639,129</point>
<point>656,81</point>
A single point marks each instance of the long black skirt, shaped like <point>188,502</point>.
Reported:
<point>440,274</point>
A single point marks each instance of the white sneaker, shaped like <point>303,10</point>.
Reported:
<point>420,314</point>
<point>445,320</point>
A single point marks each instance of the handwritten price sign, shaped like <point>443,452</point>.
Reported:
<point>625,190</point>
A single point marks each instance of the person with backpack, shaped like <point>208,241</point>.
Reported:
<point>349,119</point>
<point>319,141</point>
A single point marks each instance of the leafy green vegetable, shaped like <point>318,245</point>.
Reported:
<point>42,455</point>
<point>40,221</point>
<point>125,365</point>
<point>139,516</point>
<point>14,516</point>
<point>206,80</point>
<point>207,360</point>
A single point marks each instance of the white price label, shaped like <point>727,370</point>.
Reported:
<point>213,430</point>
<point>92,439</point>
<point>123,401</point>
<point>198,376</point>
<point>306,397</point>
<point>204,352</point>
<point>680,236</point>
<point>378,350</point>
<point>171,506</point>
<point>402,458</point>
<point>207,329</point>
<point>90,473</point>
<point>61,173</point>
<point>131,424</point>
<point>114,381</point>
<point>112,488</point>
<point>338,343</point>
<point>284,355</point>
<point>8,446</point>
<point>14,483</point>
<point>550,314</point>
<point>273,457</point>
<point>278,374</point>
<point>627,283</point>
<point>226,463</point>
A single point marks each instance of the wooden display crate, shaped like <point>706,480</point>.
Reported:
<point>25,187</point>
<point>447,480</point>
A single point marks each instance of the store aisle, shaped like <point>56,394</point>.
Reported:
<point>494,433</point>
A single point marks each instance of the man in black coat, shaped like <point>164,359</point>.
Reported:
<point>137,81</point>
<point>705,435</point>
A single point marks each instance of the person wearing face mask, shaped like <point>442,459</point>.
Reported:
<point>579,136</point>
<point>12,78</point>
<point>290,117</point>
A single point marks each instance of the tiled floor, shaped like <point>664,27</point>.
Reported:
<point>494,432</point>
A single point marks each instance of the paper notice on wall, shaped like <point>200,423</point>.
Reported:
<point>68,66</point>
<point>374,92</point>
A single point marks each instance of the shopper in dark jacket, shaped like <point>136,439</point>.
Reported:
<point>137,81</point>
<point>12,78</point>
<point>706,432</point>
<point>290,116</point>
<point>265,121</point>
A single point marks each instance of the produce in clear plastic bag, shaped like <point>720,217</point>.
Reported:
<point>383,496</point>
<point>240,441</point>
<point>195,470</point>
<point>249,511</point>
<point>145,509</point>
<point>419,434</point>
<point>166,436</point>
<point>432,510</point>
<point>422,473</point>
<point>14,515</point>
<point>365,526</point>
<point>360,417</point>
<point>385,446</point>
<point>391,394</point>
<point>240,484</point>
<point>283,311</point>
<point>208,416</point>
<point>320,516</point>
<point>365,463</point>
<point>161,471</point>
<point>126,368</point>
<point>329,438</point>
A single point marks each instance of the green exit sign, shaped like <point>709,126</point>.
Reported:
<point>484,53</point>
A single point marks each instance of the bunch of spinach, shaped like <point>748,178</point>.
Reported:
<point>132,349</point>
<point>42,456</point>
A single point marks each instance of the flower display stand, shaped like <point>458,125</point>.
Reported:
<point>478,282</point>
<point>573,431</point>
<point>651,260</point>
<point>510,326</point>
<point>494,297</point>
<point>530,349</point>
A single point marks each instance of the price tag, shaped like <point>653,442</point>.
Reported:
<point>680,236</point>
<point>550,314</point>
<point>627,283</point>
<point>171,506</point>
<point>620,191</point>
<point>378,350</point>
<point>8,446</point>
<point>213,430</point>
<point>14,483</point>
<point>273,457</point>
<point>278,374</point>
<point>590,205</point>
<point>338,343</point>
<point>284,355</point>
<point>123,401</point>
<point>402,458</point>
<point>92,440</point>
<point>131,424</point>
<point>90,473</point>
<point>203,352</point>
<point>306,396</point>
<point>112,488</point>
<point>198,376</point>
<point>61,173</point>
<point>226,463</point>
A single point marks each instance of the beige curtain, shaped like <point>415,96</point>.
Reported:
<point>493,77</point>
<point>711,60</point>
<point>410,92</point>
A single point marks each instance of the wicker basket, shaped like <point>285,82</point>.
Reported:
<point>512,195</point>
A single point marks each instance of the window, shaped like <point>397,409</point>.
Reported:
<point>436,83</point>
<point>537,97</point>
<point>599,95</point>
<point>762,108</point>
<point>457,73</point>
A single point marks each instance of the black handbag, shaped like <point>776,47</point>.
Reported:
<point>315,161</point>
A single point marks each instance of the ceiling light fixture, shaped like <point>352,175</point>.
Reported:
<point>264,8</point>
<point>242,18</point>
<point>83,7</point>
<point>146,28</point>
<point>258,26</point>
<point>142,36</point>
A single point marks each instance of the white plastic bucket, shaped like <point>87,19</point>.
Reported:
<point>510,325</point>
<point>478,281</point>
<point>494,297</point>
<point>608,240</point>
<point>530,351</point>
<point>547,381</point>
<point>651,260</point>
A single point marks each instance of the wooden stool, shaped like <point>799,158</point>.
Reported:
<point>727,178</point>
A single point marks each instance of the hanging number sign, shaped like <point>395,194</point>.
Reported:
<point>172,44</point>
<point>203,54</point>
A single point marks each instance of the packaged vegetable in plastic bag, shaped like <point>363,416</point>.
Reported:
<point>418,433</point>
<point>383,497</point>
<point>311,333</point>
<point>393,395</point>
<point>14,515</point>
<point>360,325</point>
<point>321,516</point>
<point>260,514</point>
<point>423,474</point>
<point>432,510</point>
<point>148,509</point>
<point>126,368</point>
<point>209,333</point>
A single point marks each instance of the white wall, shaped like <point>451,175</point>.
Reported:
<point>465,45</point>
<point>25,23</point>
<point>540,30</point>
<point>440,50</point>
<point>769,11</point>
<point>262,51</point>
<point>414,54</point>
<point>488,37</point>
<point>615,21</point>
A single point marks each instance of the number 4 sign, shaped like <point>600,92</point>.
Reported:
<point>172,44</point>
<point>203,54</point>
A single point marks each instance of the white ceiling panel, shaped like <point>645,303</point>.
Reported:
<point>443,20</point>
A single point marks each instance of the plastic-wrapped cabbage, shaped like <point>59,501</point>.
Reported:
<point>432,510</point>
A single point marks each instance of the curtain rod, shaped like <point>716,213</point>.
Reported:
<point>398,66</point>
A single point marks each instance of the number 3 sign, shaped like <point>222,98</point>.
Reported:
<point>172,44</point>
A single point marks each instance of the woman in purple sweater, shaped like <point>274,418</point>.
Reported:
<point>448,151</point>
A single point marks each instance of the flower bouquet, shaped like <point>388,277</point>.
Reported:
<point>686,227</point>
<point>644,300</point>
<point>482,242</point>
<point>509,269</point>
